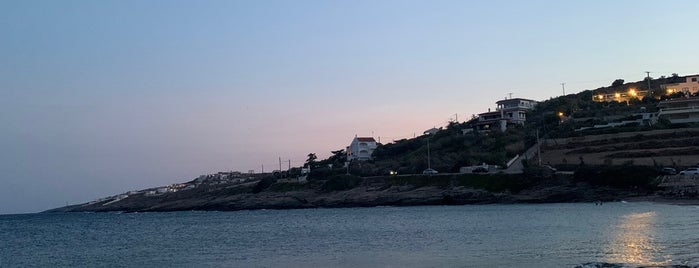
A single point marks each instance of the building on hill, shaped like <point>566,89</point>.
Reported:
<point>681,110</point>
<point>515,110</point>
<point>361,148</point>
<point>431,131</point>
<point>690,85</point>
<point>508,112</point>
<point>620,96</point>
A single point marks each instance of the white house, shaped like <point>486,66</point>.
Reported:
<point>690,85</point>
<point>361,148</point>
<point>508,111</point>
<point>515,110</point>
<point>682,110</point>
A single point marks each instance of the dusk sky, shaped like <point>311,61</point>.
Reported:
<point>103,97</point>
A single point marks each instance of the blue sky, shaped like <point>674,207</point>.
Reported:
<point>102,97</point>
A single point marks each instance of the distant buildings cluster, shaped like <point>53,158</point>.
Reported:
<point>513,111</point>
<point>689,86</point>
<point>508,112</point>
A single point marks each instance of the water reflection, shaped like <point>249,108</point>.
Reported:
<point>634,241</point>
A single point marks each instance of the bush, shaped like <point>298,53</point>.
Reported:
<point>286,187</point>
<point>420,180</point>
<point>340,183</point>
<point>324,172</point>
<point>263,184</point>
<point>626,176</point>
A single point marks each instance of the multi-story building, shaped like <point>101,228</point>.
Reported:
<point>690,85</point>
<point>508,111</point>
<point>681,110</point>
<point>620,96</point>
<point>515,110</point>
<point>361,148</point>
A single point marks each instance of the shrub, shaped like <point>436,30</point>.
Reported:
<point>626,176</point>
<point>340,183</point>
<point>263,184</point>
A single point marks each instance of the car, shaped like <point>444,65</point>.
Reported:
<point>429,171</point>
<point>690,172</point>
<point>668,171</point>
<point>480,170</point>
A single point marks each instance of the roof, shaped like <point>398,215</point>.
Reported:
<point>489,113</point>
<point>366,139</point>
<point>514,99</point>
<point>679,100</point>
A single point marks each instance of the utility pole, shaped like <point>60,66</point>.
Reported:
<point>263,169</point>
<point>648,78</point>
<point>428,153</point>
<point>289,164</point>
<point>538,147</point>
<point>280,164</point>
<point>510,94</point>
<point>564,88</point>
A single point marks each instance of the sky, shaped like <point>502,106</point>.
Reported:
<point>103,97</point>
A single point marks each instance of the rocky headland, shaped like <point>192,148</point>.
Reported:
<point>351,191</point>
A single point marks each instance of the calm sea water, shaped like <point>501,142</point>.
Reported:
<point>546,235</point>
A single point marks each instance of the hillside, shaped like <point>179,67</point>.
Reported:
<point>353,191</point>
<point>608,164</point>
<point>667,147</point>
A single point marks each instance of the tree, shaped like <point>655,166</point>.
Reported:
<point>311,159</point>
<point>338,153</point>
<point>618,82</point>
<point>338,157</point>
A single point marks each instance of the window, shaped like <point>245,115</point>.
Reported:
<point>694,79</point>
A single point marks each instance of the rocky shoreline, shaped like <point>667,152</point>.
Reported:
<point>226,199</point>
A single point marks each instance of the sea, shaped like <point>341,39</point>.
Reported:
<point>517,235</point>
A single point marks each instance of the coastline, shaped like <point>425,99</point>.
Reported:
<point>368,196</point>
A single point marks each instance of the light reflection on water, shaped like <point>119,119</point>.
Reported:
<point>634,241</point>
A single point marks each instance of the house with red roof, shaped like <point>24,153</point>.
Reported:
<point>361,148</point>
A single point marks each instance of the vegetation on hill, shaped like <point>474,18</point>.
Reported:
<point>450,149</point>
<point>367,183</point>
